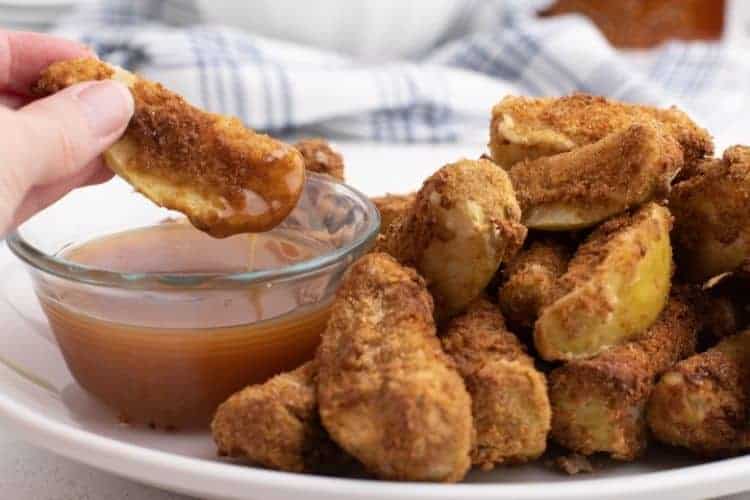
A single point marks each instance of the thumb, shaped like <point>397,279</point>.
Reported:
<point>60,135</point>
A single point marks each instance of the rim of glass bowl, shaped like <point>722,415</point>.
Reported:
<point>93,276</point>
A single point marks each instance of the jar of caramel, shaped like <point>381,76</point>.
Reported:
<point>646,23</point>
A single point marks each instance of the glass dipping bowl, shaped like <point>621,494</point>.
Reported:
<point>196,338</point>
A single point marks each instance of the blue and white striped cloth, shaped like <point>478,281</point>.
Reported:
<point>444,96</point>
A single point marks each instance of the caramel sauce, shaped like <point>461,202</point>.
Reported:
<point>168,356</point>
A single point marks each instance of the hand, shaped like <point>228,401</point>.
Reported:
<point>50,146</point>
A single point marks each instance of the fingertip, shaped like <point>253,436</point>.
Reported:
<point>62,133</point>
<point>107,105</point>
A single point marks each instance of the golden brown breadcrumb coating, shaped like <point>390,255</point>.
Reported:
<point>397,240</point>
<point>532,280</point>
<point>702,403</point>
<point>387,392</point>
<point>598,404</point>
<point>614,288</point>
<point>226,178</point>
<point>276,425</point>
<point>510,407</point>
<point>393,206</point>
<point>526,128</point>
<point>712,220</point>
<point>321,158</point>
<point>465,222</point>
<point>591,183</point>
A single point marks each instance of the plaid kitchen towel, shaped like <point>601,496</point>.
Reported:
<point>444,95</point>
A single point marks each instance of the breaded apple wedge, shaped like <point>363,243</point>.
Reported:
<point>510,407</point>
<point>387,393</point>
<point>526,128</point>
<point>598,404</point>
<point>224,177</point>
<point>614,288</point>
<point>531,280</point>
<point>464,223</point>
<point>276,425</point>
<point>702,403</point>
<point>582,187</point>
<point>712,220</point>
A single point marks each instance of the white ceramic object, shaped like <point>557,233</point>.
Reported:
<point>40,401</point>
<point>371,29</point>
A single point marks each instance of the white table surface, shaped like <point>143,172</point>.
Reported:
<point>29,473</point>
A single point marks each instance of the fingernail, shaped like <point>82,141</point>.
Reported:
<point>107,105</point>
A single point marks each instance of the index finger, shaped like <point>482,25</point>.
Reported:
<point>24,55</point>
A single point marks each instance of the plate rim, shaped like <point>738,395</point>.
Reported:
<point>167,468</point>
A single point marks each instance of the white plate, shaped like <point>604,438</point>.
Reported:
<point>39,399</point>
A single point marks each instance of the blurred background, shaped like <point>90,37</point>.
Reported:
<point>395,83</point>
<point>407,71</point>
